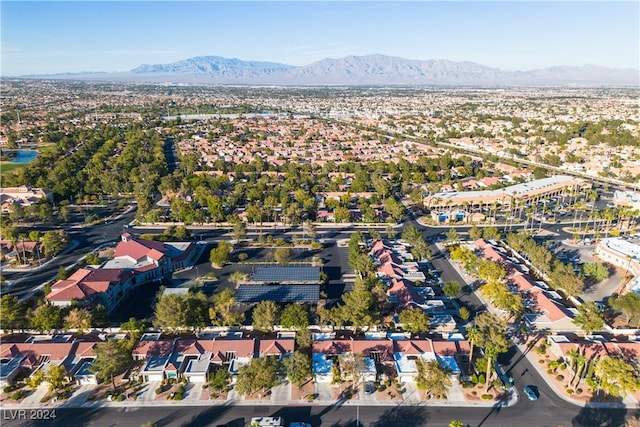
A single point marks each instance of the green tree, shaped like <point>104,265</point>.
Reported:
<point>47,317</point>
<point>456,423</point>
<point>452,236</point>
<point>629,305</point>
<point>56,376</point>
<point>492,337</point>
<point>595,271</point>
<point>414,320</point>
<point>589,317</point>
<point>294,316</point>
<point>359,308</point>
<point>464,313</point>
<point>475,232</point>
<point>176,312</point>
<point>265,316</point>
<point>12,312</point>
<point>134,328</point>
<point>432,377</point>
<point>298,368</point>
<point>616,376</point>
<point>78,318</point>
<point>100,316</point>
<point>225,311</point>
<point>220,255</point>
<point>112,358</point>
<point>54,242</point>
<point>451,288</point>
<point>259,375</point>
<point>219,380</point>
<point>283,255</point>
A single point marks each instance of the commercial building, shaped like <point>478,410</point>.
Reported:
<point>517,194</point>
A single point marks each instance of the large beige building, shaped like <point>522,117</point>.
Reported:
<point>622,254</point>
<point>519,193</point>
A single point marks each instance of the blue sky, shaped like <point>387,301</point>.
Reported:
<point>54,37</point>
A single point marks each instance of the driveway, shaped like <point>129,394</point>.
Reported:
<point>148,393</point>
<point>323,391</point>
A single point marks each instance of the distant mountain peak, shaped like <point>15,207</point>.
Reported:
<point>372,69</point>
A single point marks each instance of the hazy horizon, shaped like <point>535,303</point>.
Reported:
<point>85,36</point>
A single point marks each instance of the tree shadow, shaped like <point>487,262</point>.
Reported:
<point>205,418</point>
<point>406,416</point>
<point>591,415</point>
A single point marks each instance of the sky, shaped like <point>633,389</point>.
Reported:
<point>77,36</point>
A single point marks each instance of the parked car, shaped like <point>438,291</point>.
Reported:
<point>369,388</point>
<point>531,391</point>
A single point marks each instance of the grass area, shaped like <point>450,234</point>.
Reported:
<point>7,166</point>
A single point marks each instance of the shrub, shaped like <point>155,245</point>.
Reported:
<point>481,379</point>
<point>549,371</point>
<point>579,391</point>
<point>560,377</point>
<point>474,393</point>
<point>18,395</point>
<point>311,397</point>
<point>45,399</point>
<point>467,385</point>
<point>541,361</point>
<point>120,397</point>
<point>570,391</point>
<point>382,387</point>
<point>159,390</point>
<point>8,389</point>
<point>487,396</point>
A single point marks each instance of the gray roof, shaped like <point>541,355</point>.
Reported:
<point>286,274</point>
<point>278,293</point>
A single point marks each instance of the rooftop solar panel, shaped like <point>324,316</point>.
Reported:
<point>288,274</point>
<point>280,293</point>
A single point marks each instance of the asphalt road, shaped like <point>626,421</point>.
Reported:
<point>524,414</point>
<point>87,239</point>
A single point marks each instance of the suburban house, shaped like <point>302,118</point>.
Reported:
<point>545,310</point>
<point>393,357</point>
<point>135,263</point>
<point>192,358</point>
<point>39,354</point>
<point>590,350</point>
<point>23,196</point>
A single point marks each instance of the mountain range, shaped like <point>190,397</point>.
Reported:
<point>361,70</point>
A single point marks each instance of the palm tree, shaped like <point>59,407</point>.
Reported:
<point>573,354</point>
<point>473,336</point>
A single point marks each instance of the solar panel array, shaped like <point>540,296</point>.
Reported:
<point>278,293</point>
<point>288,274</point>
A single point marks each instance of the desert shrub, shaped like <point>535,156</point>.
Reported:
<point>18,395</point>
<point>541,361</point>
<point>159,390</point>
<point>45,399</point>
<point>8,388</point>
<point>579,391</point>
<point>120,397</point>
<point>467,385</point>
<point>560,377</point>
<point>487,396</point>
<point>311,397</point>
<point>474,393</point>
<point>570,391</point>
<point>549,371</point>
